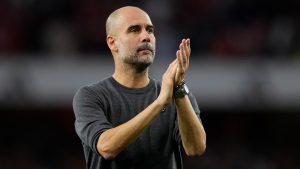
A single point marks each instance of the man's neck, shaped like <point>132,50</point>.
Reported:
<point>131,78</point>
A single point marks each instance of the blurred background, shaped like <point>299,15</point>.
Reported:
<point>245,74</point>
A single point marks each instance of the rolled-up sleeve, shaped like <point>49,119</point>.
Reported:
<point>90,117</point>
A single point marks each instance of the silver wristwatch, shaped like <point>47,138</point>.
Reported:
<point>181,90</point>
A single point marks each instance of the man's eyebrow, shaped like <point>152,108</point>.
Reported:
<point>149,26</point>
<point>133,26</point>
<point>139,25</point>
<point>130,26</point>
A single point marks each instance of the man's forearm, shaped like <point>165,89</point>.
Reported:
<point>191,130</point>
<point>113,141</point>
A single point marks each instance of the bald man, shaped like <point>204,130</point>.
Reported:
<point>129,120</point>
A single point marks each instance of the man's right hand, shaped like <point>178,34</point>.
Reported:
<point>168,78</point>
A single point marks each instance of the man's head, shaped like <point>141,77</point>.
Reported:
<point>130,37</point>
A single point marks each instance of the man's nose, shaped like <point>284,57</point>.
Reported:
<point>145,36</point>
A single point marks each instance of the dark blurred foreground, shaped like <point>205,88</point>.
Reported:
<point>45,138</point>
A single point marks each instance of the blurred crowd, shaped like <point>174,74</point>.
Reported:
<point>231,28</point>
<point>43,137</point>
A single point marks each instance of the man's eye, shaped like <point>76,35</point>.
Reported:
<point>150,30</point>
<point>134,29</point>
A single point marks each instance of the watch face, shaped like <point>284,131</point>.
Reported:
<point>182,91</point>
<point>186,89</point>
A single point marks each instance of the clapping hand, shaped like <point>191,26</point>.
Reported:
<point>183,57</point>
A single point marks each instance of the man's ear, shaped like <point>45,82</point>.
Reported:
<point>110,40</point>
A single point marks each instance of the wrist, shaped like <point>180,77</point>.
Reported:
<point>180,90</point>
<point>161,104</point>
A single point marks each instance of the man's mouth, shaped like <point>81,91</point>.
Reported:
<point>145,49</point>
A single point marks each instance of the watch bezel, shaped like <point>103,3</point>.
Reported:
<point>181,91</point>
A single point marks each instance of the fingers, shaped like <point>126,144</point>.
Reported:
<point>166,92</point>
<point>185,48</point>
<point>183,51</point>
<point>179,59</point>
<point>188,47</point>
<point>183,54</point>
<point>171,71</point>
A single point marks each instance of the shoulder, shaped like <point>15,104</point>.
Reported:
<point>93,89</point>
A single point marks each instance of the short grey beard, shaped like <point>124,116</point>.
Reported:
<point>139,68</point>
<point>134,64</point>
<point>136,67</point>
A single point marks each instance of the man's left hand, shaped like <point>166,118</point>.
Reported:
<point>183,57</point>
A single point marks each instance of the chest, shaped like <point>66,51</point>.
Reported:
<point>123,107</point>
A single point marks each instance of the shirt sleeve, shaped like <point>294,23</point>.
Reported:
<point>90,119</point>
<point>194,103</point>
